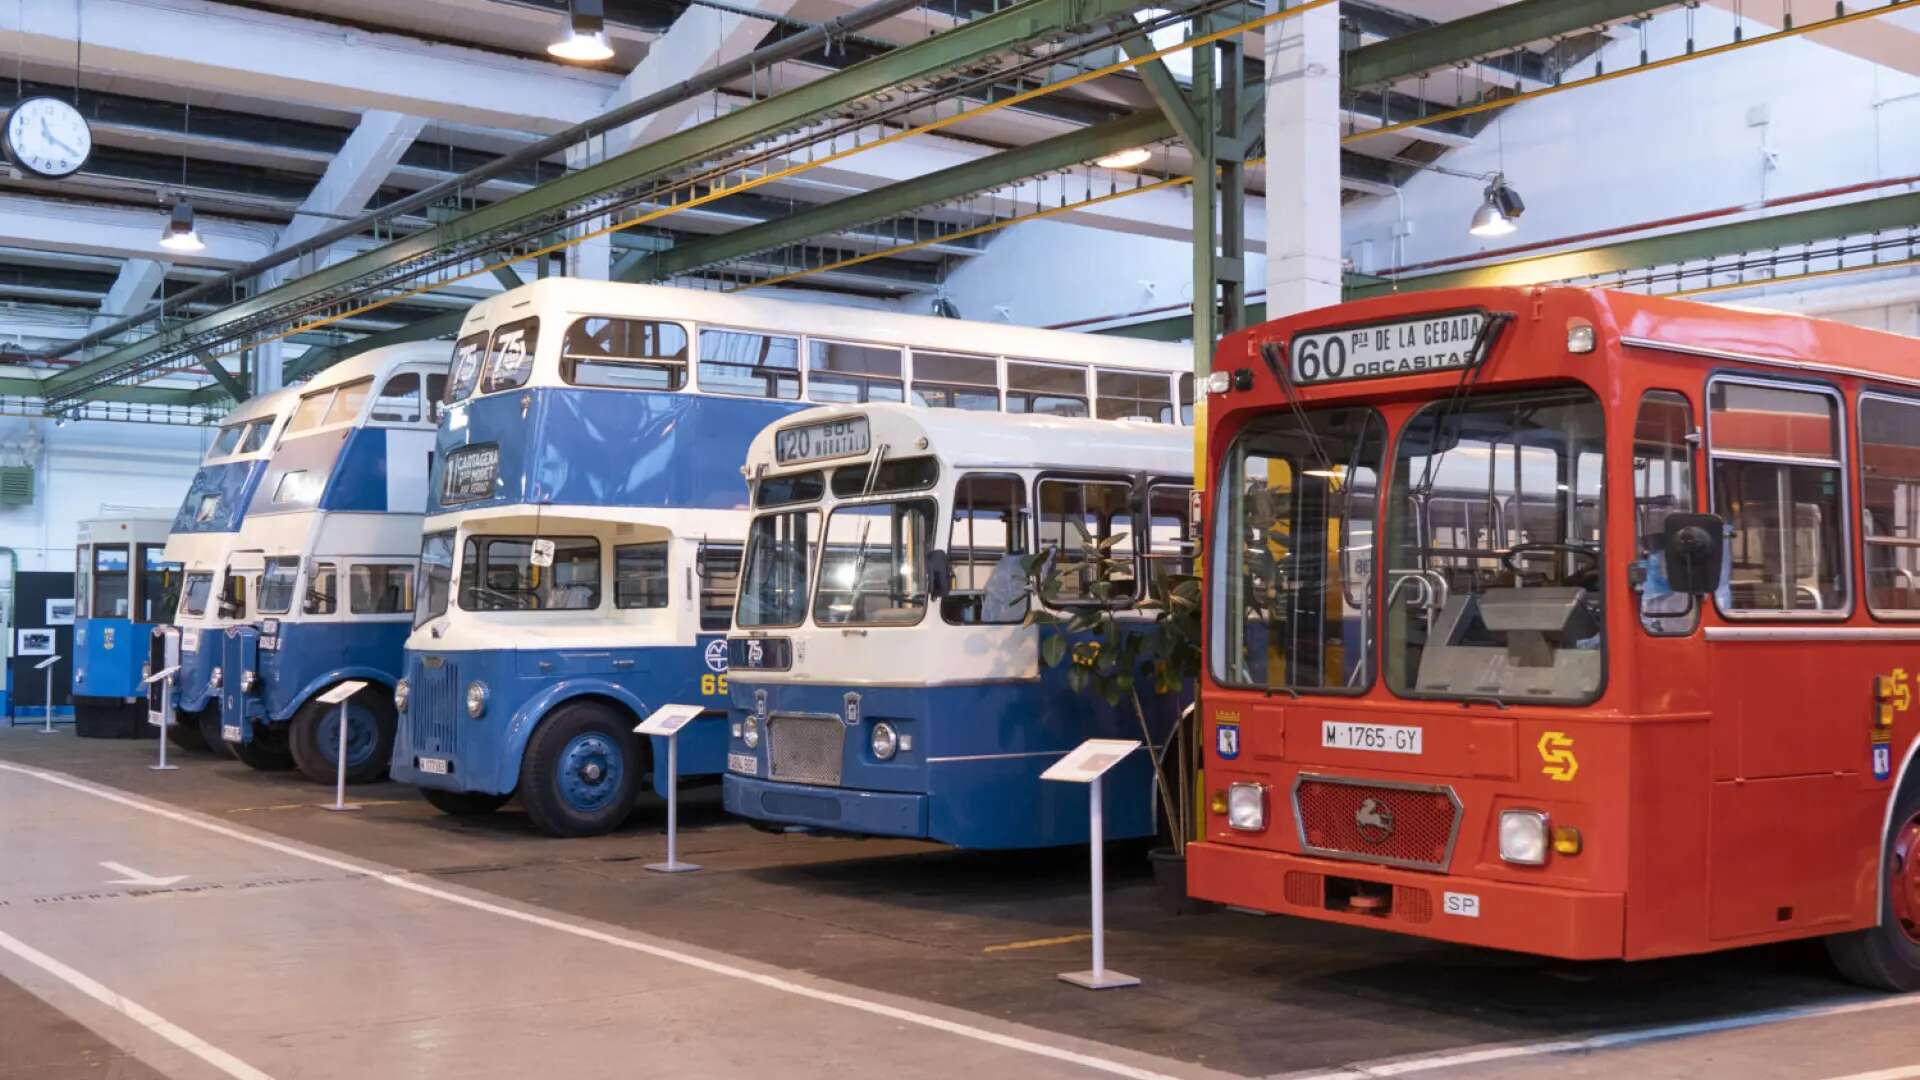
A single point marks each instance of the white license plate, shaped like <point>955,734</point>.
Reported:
<point>230,732</point>
<point>435,766</point>
<point>190,642</point>
<point>743,763</point>
<point>1462,904</point>
<point>1380,738</point>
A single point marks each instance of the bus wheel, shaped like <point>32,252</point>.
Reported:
<point>267,752</point>
<point>464,803</point>
<point>581,773</point>
<point>314,737</point>
<point>185,732</point>
<point>209,721</point>
<point>1887,956</point>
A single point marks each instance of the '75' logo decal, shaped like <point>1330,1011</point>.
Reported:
<point>1556,754</point>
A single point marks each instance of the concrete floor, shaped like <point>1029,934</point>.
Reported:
<point>397,942</point>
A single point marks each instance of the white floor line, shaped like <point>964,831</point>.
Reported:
<point>771,982</point>
<point>1614,1040</point>
<point>1903,1072</point>
<point>133,1010</point>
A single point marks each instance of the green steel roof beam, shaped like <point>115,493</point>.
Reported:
<point>16,386</point>
<point>983,37</point>
<point>1489,32</point>
<point>1166,92</point>
<point>229,383</point>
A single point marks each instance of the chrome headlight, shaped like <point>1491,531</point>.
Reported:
<point>476,699</point>
<point>214,680</point>
<point>750,732</point>
<point>400,692</point>
<point>1523,837</point>
<point>1247,807</point>
<point>885,742</point>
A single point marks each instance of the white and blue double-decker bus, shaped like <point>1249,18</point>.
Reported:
<point>884,678</point>
<point>201,541</point>
<point>579,563</point>
<point>319,586</point>
<point>124,587</point>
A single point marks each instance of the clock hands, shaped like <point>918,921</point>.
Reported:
<point>55,139</point>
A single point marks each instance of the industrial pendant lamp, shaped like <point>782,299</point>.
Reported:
<point>180,235</point>
<point>586,33</point>
<point>1499,211</point>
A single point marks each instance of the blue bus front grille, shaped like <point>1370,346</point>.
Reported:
<point>435,710</point>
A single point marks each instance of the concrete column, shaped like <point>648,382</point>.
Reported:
<point>268,363</point>
<point>1303,161</point>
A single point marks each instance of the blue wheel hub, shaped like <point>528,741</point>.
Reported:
<point>363,736</point>
<point>590,771</point>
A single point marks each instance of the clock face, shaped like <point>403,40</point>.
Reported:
<point>48,136</point>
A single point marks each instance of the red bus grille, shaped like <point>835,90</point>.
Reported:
<point>1408,825</point>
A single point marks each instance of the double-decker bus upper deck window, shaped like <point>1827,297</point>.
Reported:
<point>1890,502</point>
<point>1293,601</point>
<point>625,354</point>
<point>640,575</point>
<point>380,588</point>
<point>276,585</point>
<point>1074,515</point>
<point>193,598</point>
<point>497,573</point>
<point>399,400</point>
<point>718,566</point>
<point>323,590</point>
<point>257,433</point>
<point>985,541</point>
<point>956,381</point>
<point>469,353</point>
<point>436,573</point>
<point>436,395</point>
<point>1662,486</point>
<point>229,439</point>
<point>510,358</point>
<point>873,564</point>
<point>894,474</point>
<point>789,488</point>
<point>777,568</point>
<point>1494,557</point>
<point>112,580</point>
<point>1147,395</point>
<point>309,414</point>
<point>1777,482</point>
<point>745,363</point>
<point>1048,389</point>
<point>842,372</point>
<point>159,584</point>
<point>348,401</point>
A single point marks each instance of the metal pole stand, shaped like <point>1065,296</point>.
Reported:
<point>338,696</point>
<point>666,721</point>
<point>47,666</point>
<point>1088,764</point>
<point>166,721</point>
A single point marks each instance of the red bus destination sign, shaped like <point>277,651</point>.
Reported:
<point>1402,347</point>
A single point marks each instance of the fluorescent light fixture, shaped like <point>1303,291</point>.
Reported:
<point>586,34</point>
<point>1125,159</point>
<point>180,235</point>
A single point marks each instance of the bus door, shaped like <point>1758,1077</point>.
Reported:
<point>1669,652</point>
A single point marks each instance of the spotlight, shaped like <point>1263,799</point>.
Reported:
<point>1125,159</point>
<point>180,235</point>
<point>1498,212</point>
<point>586,38</point>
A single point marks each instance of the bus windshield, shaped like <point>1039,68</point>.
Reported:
<point>199,587</point>
<point>498,573</point>
<point>873,570</point>
<point>773,589</point>
<point>1494,550</point>
<point>436,576</point>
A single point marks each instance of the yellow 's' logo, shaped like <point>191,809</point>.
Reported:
<point>1556,753</point>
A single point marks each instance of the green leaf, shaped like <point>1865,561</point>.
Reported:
<point>1053,649</point>
<point>1111,691</point>
<point>1078,678</point>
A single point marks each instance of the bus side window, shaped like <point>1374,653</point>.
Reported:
<point>399,400</point>
<point>436,395</point>
<point>850,373</point>
<point>1662,485</point>
<point>323,590</point>
<point>640,575</point>
<point>1048,389</point>
<point>380,589</point>
<point>718,568</point>
<point>233,597</point>
<point>985,539</point>
<point>1171,544</point>
<point>1890,503</point>
<point>624,354</point>
<point>159,584</point>
<point>1777,482</point>
<point>955,381</point>
<point>1101,509</point>
<point>748,364</point>
<point>1128,395</point>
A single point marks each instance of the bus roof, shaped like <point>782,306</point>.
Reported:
<point>994,440</point>
<point>576,296</point>
<point>259,405</point>
<point>376,362</point>
<point>144,528</point>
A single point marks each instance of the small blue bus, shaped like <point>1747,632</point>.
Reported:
<point>124,587</point>
<point>884,679</point>
<point>321,576</point>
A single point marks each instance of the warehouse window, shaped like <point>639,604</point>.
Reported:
<point>749,364</point>
<point>1777,482</point>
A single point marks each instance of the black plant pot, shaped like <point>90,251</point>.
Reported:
<point>1170,883</point>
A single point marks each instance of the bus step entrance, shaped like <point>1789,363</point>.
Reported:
<point>1359,897</point>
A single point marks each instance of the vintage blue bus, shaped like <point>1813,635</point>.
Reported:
<point>580,558</point>
<point>884,678</point>
<point>200,542</point>
<point>319,585</point>
<point>124,587</point>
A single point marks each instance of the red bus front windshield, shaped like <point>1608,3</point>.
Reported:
<point>1493,557</point>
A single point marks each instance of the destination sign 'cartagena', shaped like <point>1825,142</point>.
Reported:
<point>1410,347</point>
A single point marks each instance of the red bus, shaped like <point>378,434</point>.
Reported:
<point>1571,622</point>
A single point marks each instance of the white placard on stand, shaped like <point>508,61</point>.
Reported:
<point>164,718</point>
<point>47,666</point>
<point>338,696</point>
<point>1088,764</point>
<point>666,722</point>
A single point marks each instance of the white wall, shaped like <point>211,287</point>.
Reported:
<point>85,467</point>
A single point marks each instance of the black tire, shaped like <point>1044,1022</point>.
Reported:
<point>208,720</point>
<point>582,737</point>
<point>464,803</point>
<point>1887,956</point>
<point>315,740</point>
<point>267,752</point>
<point>185,732</point>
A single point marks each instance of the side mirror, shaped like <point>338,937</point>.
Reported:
<point>1694,547</point>
<point>939,574</point>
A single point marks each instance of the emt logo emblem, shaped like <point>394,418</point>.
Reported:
<point>1556,755</point>
<point>1226,740</point>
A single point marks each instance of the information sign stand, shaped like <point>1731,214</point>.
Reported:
<point>47,666</point>
<point>667,721</point>
<point>1088,764</point>
<point>338,696</point>
<point>164,718</point>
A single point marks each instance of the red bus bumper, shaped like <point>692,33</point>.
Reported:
<point>1536,919</point>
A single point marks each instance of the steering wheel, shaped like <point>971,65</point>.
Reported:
<point>1513,556</point>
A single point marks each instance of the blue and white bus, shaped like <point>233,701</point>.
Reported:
<point>580,559</point>
<point>884,680</point>
<point>200,542</point>
<point>319,586</point>
<point>124,587</point>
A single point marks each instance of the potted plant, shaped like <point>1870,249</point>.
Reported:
<point>1120,647</point>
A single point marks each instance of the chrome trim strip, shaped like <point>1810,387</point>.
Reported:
<point>1768,361</point>
<point>1813,633</point>
<point>1453,834</point>
<point>998,757</point>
